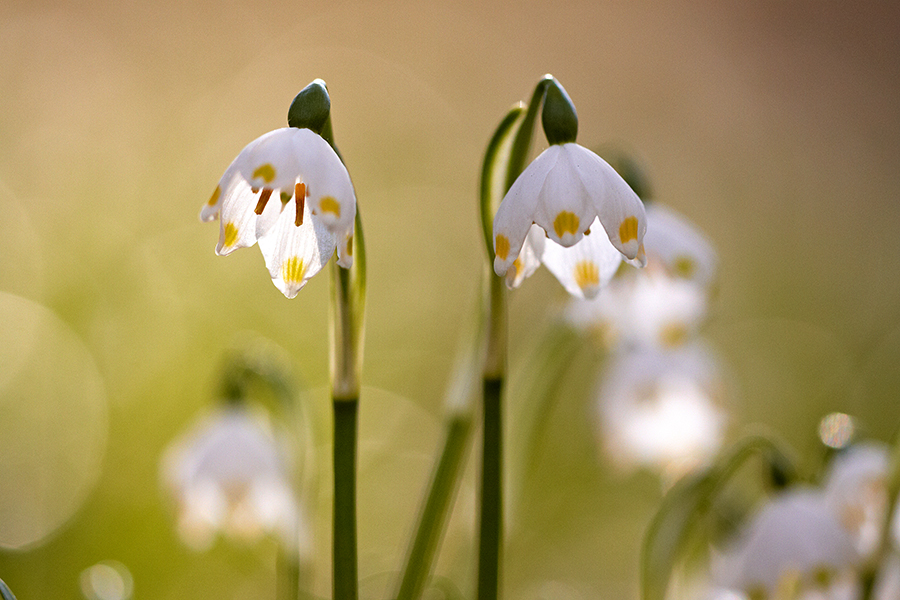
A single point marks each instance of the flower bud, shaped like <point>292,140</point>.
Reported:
<point>311,108</point>
<point>558,116</point>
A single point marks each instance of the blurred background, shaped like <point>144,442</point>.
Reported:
<point>772,126</point>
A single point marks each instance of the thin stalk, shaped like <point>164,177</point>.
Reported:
<point>344,550</point>
<point>348,306</point>
<point>491,522</point>
<point>432,520</point>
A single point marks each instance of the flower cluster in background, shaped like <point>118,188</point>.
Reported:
<point>660,397</point>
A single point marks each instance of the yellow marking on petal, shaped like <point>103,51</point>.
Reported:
<point>517,267</point>
<point>329,204</point>
<point>684,266</point>
<point>231,234</point>
<point>215,197</point>
<point>501,247</point>
<point>565,222</point>
<point>587,274</point>
<point>628,230</point>
<point>266,172</point>
<point>293,270</point>
<point>673,335</point>
<point>263,199</point>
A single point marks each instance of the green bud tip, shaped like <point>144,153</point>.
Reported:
<point>558,117</point>
<point>311,108</point>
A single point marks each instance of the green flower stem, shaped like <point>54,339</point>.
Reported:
<point>491,521</point>
<point>344,550</point>
<point>432,520</point>
<point>348,310</point>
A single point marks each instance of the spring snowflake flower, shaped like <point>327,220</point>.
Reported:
<point>662,409</point>
<point>856,488</point>
<point>566,191</point>
<point>794,547</point>
<point>289,191</point>
<point>229,474</point>
<point>664,305</point>
<point>583,269</point>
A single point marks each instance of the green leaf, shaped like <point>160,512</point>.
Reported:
<point>5,592</point>
<point>689,501</point>
<point>494,172</point>
<point>671,527</point>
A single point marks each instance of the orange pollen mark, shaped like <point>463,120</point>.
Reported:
<point>254,190</point>
<point>263,199</point>
<point>501,247</point>
<point>215,197</point>
<point>628,230</point>
<point>565,222</point>
<point>587,274</point>
<point>587,231</point>
<point>300,194</point>
<point>350,246</point>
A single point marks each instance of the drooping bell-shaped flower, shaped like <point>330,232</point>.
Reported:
<point>794,547</point>
<point>228,474</point>
<point>663,305</point>
<point>290,191</point>
<point>856,488</point>
<point>567,191</point>
<point>662,410</point>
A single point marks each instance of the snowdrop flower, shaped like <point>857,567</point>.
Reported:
<point>794,547</point>
<point>676,245</point>
<point>228,474</point>
<point>856,489</point>
<point>566,191</point>
<point>649,309</point>
<point>288,190</point>
<point>664,305</point>
<point>661,409</point>
<point>583,269</point>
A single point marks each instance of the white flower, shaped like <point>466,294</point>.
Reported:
<point>678,246</point>
<point>856,489</point>
<point>229,474</point>
<point>665,304</point>
<point>645,309</point>
<point>289,190</point>
<point>794,547</point>
<point>661,409</point>
<point>563,191</point>
<point>582,269</point>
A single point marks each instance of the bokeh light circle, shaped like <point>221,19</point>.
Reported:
<point>53,422</point>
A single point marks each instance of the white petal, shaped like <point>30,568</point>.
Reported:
<point>237,228</point>
<point>345,249</point>
<point>330,192</point>
<point>270,161</point>
<point>529,258</point>
<point>795,534</point>
<point>211,209</point>
<point>680,246</point>
<point>516,212</point>
<point>294,254</point>
<point>565,209</point>
<point>620,210</point>
<point>585,267</point>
